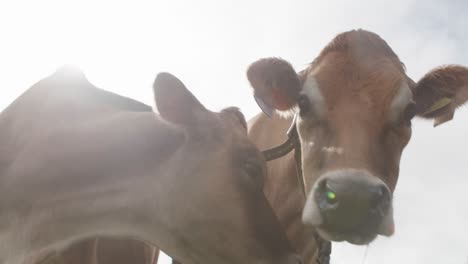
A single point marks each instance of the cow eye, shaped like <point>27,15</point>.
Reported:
<point>254,171</point>
<point>409,113</point>
<point>252,168</point>
<point>304,104</point>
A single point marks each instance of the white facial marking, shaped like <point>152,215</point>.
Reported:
<point>335,150</point>
<point>310,144</point>
<point>312,90</point>
<point>401,100</point>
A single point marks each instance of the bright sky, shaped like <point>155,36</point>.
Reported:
<point>209,44</point>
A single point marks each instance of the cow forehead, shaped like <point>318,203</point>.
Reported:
<point>369,88</point>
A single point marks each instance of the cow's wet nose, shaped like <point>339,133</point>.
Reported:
<point>348,200</point>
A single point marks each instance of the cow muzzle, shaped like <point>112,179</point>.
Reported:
<point>349,205</point>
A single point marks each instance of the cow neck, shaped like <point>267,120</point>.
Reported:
<point>293,143</point>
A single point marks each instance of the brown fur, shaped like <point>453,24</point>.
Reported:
<point>360,43</point>
<point>364,84</point>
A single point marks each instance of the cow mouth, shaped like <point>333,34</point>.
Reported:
<point>356,237</point>
<point>360,231</point>
<point>360,234</point>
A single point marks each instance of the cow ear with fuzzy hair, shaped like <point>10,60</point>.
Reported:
<point>440,92</point>
<point>175,103</point>
<point>276,84</point>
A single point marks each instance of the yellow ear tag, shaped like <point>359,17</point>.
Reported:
<point>442,102</point>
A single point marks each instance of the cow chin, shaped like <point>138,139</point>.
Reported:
<point>362,234</point>
<point>356,239</point>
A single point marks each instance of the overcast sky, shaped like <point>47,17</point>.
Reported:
<point>209,44</point>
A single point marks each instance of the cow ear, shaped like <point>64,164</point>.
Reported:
<point>440,92</point>
<point>174,102</point>
<point>276,85</point>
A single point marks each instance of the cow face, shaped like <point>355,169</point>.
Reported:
<point>220,184</point>
<point>354,105</point>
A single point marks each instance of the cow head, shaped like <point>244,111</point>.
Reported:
<point>354,104</point>
<point>221,207</point>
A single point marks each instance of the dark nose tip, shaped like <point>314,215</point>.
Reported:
<point>346,199</point>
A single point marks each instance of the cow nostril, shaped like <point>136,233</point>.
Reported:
<point>381,196</point>
<point>327,193</point>
<point>331,197</point>
<point>322,184</point>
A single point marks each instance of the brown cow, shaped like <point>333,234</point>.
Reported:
<point>78,162</point>
<point>354,107</point>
